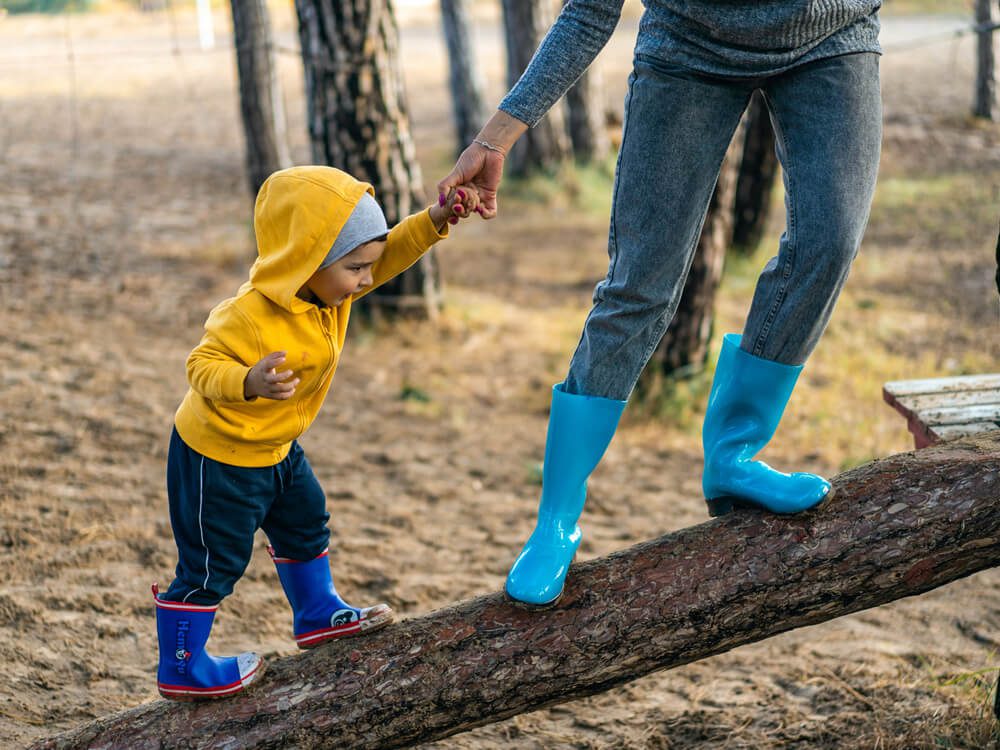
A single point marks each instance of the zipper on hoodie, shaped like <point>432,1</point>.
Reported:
<point>329,336</point>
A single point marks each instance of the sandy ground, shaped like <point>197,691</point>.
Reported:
<point>125,219</point>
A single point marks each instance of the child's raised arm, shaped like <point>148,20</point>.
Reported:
<point>415,234</point>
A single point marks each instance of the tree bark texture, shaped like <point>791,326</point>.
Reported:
<point>357,114</point>
<point>895,528</point>
<point>683,350</point>
<point>585,117</point>
<point>261,105</point>
<point>545,145</point>
<point>986,95</point>
<point>755,181</point>
<point>996,699</point>
<point>997,278</point>
<point>464,75</point>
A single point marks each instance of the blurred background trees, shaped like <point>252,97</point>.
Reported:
<point>357,121</point>
<point>464,77</point>
<point>261,103</point>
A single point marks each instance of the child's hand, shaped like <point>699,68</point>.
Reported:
<point>465,203</point>
<point>264,381</point>
<point>462,202</point>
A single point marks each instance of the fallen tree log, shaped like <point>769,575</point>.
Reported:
<point>897,527</point>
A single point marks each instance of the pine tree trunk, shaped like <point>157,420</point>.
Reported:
<point>897,527</point>
<point>986,95</point>
<point>585,112</point>
<point>464,76</point>
<point>545,145</point>
<point>996,699</point>
<point>683,350</point>
<point>997,278</point>
<point>757,173</point>
<point>585,116</point>
<point>261,104</point>
<point>358,121</point>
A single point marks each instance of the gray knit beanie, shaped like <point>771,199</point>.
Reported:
<point>366,223</point>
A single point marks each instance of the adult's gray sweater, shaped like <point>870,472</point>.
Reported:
<point>729,38</point>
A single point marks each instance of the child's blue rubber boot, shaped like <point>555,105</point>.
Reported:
<point>748,397</point>
<point>580,429</point>
<point>186,672</point>
<point>320,615</point>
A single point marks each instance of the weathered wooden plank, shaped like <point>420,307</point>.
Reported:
<point>960,414</point>
<point>897,404</point>
<point>950,398</point>
<point>922,435</point>
<point>943,385</point>
<point>970,403</point>
<point>954,431</point>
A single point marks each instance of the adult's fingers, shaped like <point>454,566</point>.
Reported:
<point>470,163</point>
<point>487,182</point>
<point>487,205</point>
<point>449,183</point>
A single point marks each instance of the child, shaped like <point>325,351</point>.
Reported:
<point>258,379</point>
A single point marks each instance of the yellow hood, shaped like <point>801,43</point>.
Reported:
<point>298,214</point>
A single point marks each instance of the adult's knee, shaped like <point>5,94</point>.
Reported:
<point>634,306</point>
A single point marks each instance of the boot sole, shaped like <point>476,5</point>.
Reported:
<point>369,625</point>
<point>531,606</point>
<point>255,678</point>
<point>720,506</point>
<point>539,607</point>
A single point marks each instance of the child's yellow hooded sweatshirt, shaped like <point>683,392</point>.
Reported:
<point>298,214</point>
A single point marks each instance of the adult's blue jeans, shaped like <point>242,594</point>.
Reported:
<point>827,118</point>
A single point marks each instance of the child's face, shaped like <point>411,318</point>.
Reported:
<point>349,275</point>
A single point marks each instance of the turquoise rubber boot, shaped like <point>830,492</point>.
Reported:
<point>580,429</point>
<point>748,397</point>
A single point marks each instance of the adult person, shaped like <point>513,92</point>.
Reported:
<point>696,64</point>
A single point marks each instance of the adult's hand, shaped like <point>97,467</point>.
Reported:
<point>482,166</point>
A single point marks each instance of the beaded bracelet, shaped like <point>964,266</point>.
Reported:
<point>490,146</point>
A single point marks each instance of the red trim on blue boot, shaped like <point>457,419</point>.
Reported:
<point>371,619</point>
<point>186,672</point>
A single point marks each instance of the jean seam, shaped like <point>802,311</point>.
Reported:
<point>786,268</point>
<point>613,239</point>
<point>659,330</point>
